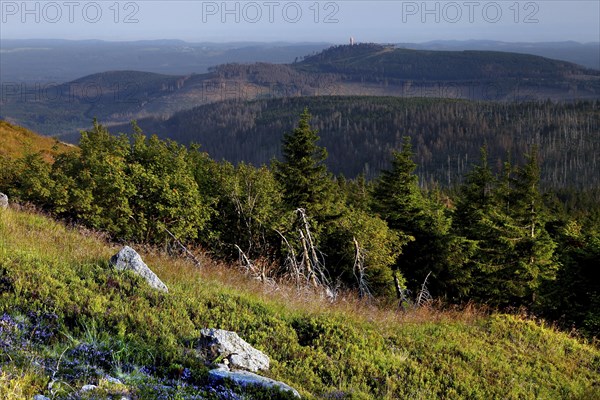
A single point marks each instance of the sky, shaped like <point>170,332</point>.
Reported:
<point>303,21</point>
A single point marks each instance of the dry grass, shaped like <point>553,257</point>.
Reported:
<point>15,142</point>
<point>181,274</point>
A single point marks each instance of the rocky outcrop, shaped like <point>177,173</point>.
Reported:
<point>3,201</point>
<point>129,259</point>
<point>232,350</point>
<point>245,378</point>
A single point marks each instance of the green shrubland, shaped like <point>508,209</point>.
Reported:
<point>69,319</point>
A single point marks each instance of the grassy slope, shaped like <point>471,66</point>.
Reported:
<point>16,142</point>
<point>345,350</point>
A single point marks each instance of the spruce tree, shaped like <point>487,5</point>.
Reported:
<point>302,174</point>
<point>476,198</point>
<point>397,196</point>
<point>398,199</point>
<point>505,218</point>
<point>534,249</point>
<point>478,217</point>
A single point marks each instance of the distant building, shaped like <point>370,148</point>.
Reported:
<point>351,41</point>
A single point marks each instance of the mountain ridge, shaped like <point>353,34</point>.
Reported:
<point>366,69</point>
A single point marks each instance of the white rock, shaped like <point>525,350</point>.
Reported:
<point>129,259</point>
<point>226,344</point>
<point>87,388</point>
<point>245,378</point>
<point>112,380</point>
<point>3,201</point>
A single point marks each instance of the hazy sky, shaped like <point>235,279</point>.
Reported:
<point>298,21</point>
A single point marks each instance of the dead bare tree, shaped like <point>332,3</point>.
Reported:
<point>245,261</point>
<point>258,271</point>
<point>290,265</point>
<point>311,263</point>
<point>404,295</point>
<point>359,271</point>
<point>308,267</point>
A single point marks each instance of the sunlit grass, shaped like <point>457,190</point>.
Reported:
<point>349,348</point>
<point>16,141</point>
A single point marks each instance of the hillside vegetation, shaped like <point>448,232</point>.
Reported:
<point>67,318</point>
<point>497,239</point>
<point>377,62</point>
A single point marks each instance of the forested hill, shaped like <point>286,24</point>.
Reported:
<point>362,70</point>
<point>360,132</point>
<point>377,62</point>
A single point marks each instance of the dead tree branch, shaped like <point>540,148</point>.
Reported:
<point>424,295</point>
<point>187,252</point>
<point>359,269</point>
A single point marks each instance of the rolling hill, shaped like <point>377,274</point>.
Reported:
<point>377,62</point>
<point>367,69</point>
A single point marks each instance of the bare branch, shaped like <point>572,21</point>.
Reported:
<point>189,253</point>
<point>359,271</point>
<point>424,295</point>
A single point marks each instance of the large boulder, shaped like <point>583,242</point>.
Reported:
<point>245,378</point>
<point>229,347</point>
<point>3,201</point>
<point>129,259</point>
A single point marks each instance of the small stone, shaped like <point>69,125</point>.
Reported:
<point>87,388</point>
<point>3,201</point>
<point>112,380</point>
<point>245,378</point>
<point>40,397</point>
<point>223,367</point>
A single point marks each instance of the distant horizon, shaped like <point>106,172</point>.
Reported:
<point>289,42</point>
<point>377,21</point>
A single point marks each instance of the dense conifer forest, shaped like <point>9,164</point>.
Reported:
<point>359,134</point>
